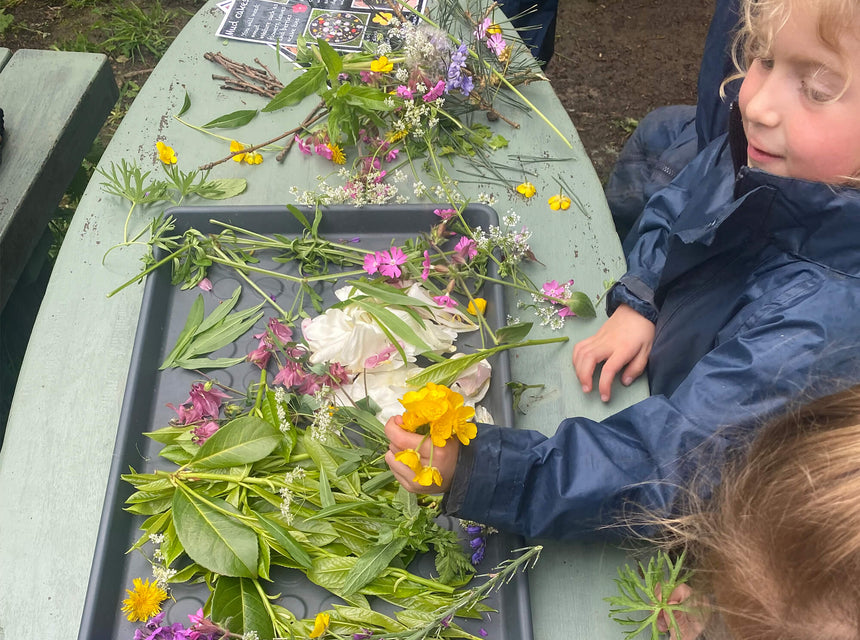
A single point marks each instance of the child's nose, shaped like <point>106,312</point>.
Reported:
<point>763,104</point>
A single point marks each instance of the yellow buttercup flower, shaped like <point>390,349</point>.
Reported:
<point>165,153</point>
<point>428,476</point>
<point>381,65</point>
<point>424,406</point>
<point>454,422</point>
<point>493,29</point>
<point>477,306</point>
<point>237,146</point>
<point>410,458</point>
<point>559,201</point>
<point>527,189</point>
<point>337,155</point>
<point>144,601</point>
<point>253,158</point>
<point>321,623</point>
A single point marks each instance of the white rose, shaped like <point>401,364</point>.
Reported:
<point>474,381</point>
<point>448,317</point>
<point>385,388</point>
<point>348,336</point>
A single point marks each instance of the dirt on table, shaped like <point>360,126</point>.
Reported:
<point>615,60</point>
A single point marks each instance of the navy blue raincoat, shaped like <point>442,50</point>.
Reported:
<point>754,283</point>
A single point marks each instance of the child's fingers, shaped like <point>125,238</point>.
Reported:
<point>403,474</point>
<point>586,355</point>
<point>636,367</point>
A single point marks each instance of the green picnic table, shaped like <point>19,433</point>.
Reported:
<point>57,454</point>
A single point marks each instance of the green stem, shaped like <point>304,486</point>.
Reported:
<point>240,270</point>
<point>148,270</point>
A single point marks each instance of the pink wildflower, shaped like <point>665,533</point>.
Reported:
<point>391,156</point>
<point>205,284</point>
<point>405,92</point>
<point>290,375</point>
<point>260,356</point>
<point>323,150</point>
<point>338,375</point>
<point>204,403</point>
<point>202,433</point>
<point>435,93</point>
<point>445,214</point>
<point>496,43</point>
<point>304,146</point>
<point>565,312</point>
<point>311,384</point>
<point>369,163</point>
<point>425,265</point>
<point>466,248</point>
<point>367,77</point>
<point>378,358</point>
<point>371,262</point>
<point>481,30</point>
<point>390,263</point>
<point>553,289</point>
<point>445,301</point>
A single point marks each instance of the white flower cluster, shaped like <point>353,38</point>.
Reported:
<point>323,427</point>
<point>284,423</point>
<point>350,336</point>
<point>161,570</point>
<point>287,495</point>
<point>513,243</point>
<point>370,189</point>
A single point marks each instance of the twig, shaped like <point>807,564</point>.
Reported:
<point>311,118</point>
<point>245,77</point>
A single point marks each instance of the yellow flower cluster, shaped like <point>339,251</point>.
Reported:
<point>165,153</point>
<point>251,157</point>
<point>442,411</point>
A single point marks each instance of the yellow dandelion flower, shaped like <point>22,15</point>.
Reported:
<point>527,189</point>
<point>337,155</point>
<point>410,458</point>
<point>559,201</point>
<point>165,153</point>
<point>144,601</point>
<point>477,306</point>
<point>428,476</point>
<point>234,147</point>
<point>321,623</point>
<point>381,65</point>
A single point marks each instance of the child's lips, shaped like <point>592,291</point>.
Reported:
<point>757,154</point>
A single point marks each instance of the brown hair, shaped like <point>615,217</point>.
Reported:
<point>776,549</point>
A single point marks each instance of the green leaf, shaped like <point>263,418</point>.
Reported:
<point>394,323</point>
<point>368,617</point>
<point>221,188</point>
<point>213,539</point>
<point>195,317</point>
<point>220,312</point>
<point>307,83</point>
<point>232,120</point>
<point>325,462</point>
<point>208,363</point>
<point>387,294</point>
<point>326,497</point>
<point>186,105</point>
<point>239,601</point>
<point>244,440</point>
<point>298,215</point>
<point>330,572</point>
<point>448,371</point>
<point>283,538</point>
<point>498,141</point>
<point>581,305</point>
<point>514,332</point>
<point>331,59</point>
<point>371,564</point>
<point>377,482</point>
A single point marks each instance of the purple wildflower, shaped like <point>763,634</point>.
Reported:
<point>445,301</point>
<point>466,249</point>
<point>435,93</point>
<point>203,432</point>
<point>425,265</point>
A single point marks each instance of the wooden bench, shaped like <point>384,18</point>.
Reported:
<point>55,103</point>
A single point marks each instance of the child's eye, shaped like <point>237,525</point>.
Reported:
<point>814,93</point>
<point>766,63</point>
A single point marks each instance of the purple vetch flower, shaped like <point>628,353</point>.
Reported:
<point>153,630</point>
<point>364,634</point>
<point>478,556</point>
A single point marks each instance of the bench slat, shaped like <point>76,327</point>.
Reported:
<point>55,103</point>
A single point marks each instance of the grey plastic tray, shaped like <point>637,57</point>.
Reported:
<point>163,313</point>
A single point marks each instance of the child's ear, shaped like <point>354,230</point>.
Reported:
<point>689,623</point>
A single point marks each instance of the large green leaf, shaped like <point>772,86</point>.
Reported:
<point>306,84</point>
<point>239,601</point>
<point>285,540</point>
<point>241,441</point>
<point>213,539</point>
<point>371,564</point>
<point>232,120</point>
<point>195,317</point>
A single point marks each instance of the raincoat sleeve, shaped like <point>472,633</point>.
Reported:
<point>586,476</point>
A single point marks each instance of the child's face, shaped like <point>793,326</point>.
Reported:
<point>793,125</point>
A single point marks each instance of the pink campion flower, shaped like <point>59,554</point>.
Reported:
<point>425,265</point>
<point>391,156</point>
<point>371,262</point>
<point>389,266</point>
<point>435,93</point>
<point>369,163</point>
<point>466,248</point>
<point>553,289</point>
<point>323,150</point>
<point>367,77</point>
<point>565,312</point>
<point>405,92</point>
<point>445,301</point>
<point>496,43</point>
<point>205,284</point>
<point>378,358</point>
<point>202,433</point>
<point>445,214</point>
<point>304,146</point>
<point>481,29</point>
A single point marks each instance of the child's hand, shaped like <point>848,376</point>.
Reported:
<point>624,340</point>
<point>444,458</point>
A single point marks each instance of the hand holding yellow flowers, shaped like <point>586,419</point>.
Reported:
<point>437,413</point>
